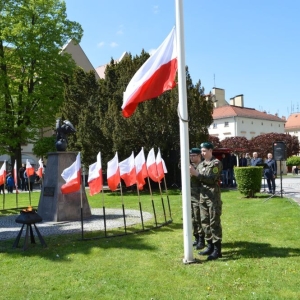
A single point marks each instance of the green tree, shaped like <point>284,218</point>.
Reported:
<point>263,143</point>
<point>239,143</point>
<point>32,68</point>
<point>82,108</point>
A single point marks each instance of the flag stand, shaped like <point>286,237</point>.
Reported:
<point>162,202</point>
<point>153,207</point>
<point>169,206</point>
<point>140,205</point>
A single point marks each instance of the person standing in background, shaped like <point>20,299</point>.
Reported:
<point>270,173</point>
<point>232,164</point>
<point>255,160</point>
<point>225,164</point>
<point>22,178</point>
<point>243,161</point>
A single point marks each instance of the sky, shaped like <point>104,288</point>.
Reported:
<point>244,47</point>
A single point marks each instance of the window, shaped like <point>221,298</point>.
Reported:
<point>226,124</point>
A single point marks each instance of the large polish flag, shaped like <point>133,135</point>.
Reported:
<point>113,173</point>
<point>29,169</point>
<point>155,76</point>
<point>40,169</point>
<point>151,166</point>
<point>3,173</point>
<point>72,177</point>
<point>127,170</point>
<point>159,166</point>
<point>95,180</point>
<point>141,169</point>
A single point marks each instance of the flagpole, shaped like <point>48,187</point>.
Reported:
<point>152,201</point>
<point>184,136</point>
<point>103,208</point>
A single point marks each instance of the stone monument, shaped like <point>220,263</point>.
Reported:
<point>53,205</point>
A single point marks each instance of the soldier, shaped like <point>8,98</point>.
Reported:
<point>208,174</point>
<point>199,243</point>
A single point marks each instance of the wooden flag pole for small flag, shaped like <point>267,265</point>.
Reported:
<point>162,202</point>
<point>17,192</point>
<point>28,180</point>
<point>169,206</point>
<point>153,207</point>
<point>3,201</point>
<point>140,205</point>
<point>81,209</point>
<point>123,208</point>
<point>104,215</point>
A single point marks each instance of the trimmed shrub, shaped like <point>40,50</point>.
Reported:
<point>293,161</point>
<point>248,180</point>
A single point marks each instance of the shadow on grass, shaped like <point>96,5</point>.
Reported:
<point>245,249</point>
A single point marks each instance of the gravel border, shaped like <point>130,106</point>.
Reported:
<point>114,219</point>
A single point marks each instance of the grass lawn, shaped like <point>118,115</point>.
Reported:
<point>261,257</point>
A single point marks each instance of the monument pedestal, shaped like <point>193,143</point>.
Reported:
<point>53,205</point>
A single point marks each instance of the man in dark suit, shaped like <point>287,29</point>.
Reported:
<point>270,173</point>
<point>255,160</point>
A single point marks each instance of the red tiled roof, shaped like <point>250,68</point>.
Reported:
<point>232,111</point>
<point>293,121</point>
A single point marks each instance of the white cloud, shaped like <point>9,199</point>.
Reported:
<point>101,44</point>
<point>113,44</point>
<point>151,51</point>
<point>120,31</point>
<point>156,9</point>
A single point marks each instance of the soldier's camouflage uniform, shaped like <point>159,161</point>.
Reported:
<point>195,202</point>
<point>210,199</point>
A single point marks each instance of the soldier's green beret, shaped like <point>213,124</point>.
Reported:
<point>207,145</point>
<point>195,151</point>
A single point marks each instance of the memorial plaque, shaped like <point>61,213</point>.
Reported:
<point>49,191</point>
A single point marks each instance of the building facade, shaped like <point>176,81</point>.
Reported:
<point>233,119</point>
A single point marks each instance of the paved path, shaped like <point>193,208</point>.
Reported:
<point>290,187</point>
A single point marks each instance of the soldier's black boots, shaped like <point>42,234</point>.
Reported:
<point>209,249</point>
<point>196,240</point>
<point>216,252</point>
<point>201,243</point>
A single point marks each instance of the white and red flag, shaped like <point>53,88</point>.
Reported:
<point>151,166</point>
<point>40,169</point>
<point>29,169</point>
<point>95,180</point>
<point>113,173</point>
<point>141,169</point>
<point>3,173</point>
<point>72,177</point>
<point>159,166</point>
<point>155,76</point>
<point>16,175</point>
<point>164,166</point>
<point>127,170</point>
